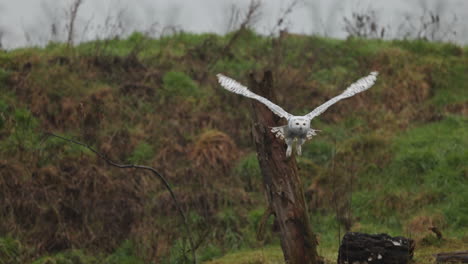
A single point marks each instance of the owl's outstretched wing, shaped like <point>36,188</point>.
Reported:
<point>235,87</point>
<point>357,87</point>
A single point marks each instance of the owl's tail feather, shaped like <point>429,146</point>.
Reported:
<point>279,132</point>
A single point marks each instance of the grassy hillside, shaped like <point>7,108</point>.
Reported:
<point>392,159</point>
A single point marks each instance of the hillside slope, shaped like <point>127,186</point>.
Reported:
<point>392,159</point>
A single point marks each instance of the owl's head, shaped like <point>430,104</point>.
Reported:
<point>299,123</point>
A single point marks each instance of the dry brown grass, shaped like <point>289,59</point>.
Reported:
<point>419,226</point>
<point>213,151</point>
<point>78,204</point>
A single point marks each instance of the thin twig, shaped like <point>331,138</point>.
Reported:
<point>133,166</point>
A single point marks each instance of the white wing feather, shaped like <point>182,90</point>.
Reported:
<point>357,87</point>
<point>235,87</point>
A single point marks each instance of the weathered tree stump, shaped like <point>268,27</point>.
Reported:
<point>359,248</point>
<point>283,186</point>
<point>452,257</point>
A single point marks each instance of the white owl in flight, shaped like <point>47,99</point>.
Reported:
<point>298,128</point>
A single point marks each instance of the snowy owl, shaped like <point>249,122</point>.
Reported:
<point>298,128</point>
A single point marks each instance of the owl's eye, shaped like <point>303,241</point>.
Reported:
<point>303,124</point>
<point>297,123</point>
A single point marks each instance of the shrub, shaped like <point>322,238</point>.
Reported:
<point>179,84</point>
<point>248,170</point>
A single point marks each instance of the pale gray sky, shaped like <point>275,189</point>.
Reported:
<point>28,22</point>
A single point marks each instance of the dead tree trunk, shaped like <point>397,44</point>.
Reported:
<point>282,183</point>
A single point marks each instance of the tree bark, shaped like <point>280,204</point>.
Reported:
<point>282,184</point>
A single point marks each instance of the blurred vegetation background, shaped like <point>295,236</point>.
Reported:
<point>392,159</point>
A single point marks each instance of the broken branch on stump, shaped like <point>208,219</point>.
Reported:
<point>263,221</point>
<point>154,171</point>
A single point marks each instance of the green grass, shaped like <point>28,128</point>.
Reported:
<point>266,255</point>
<point>125,254</point>
<point>11,251</point>
<point>448,80</point>
<point>429,161</point>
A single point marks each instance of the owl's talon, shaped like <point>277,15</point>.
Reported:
<point>288,151</point>
<point>299,150</point>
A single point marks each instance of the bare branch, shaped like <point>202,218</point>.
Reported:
<point>364,25</point>
<point>252,15</point>
<point>433,24</point>
<point>282,19</point>
<point>234,15</point>
<point>133,166</point>
<point>73,12</point>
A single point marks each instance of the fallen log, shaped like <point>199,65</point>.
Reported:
<point>359,248</point>
<point>452,257</point>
